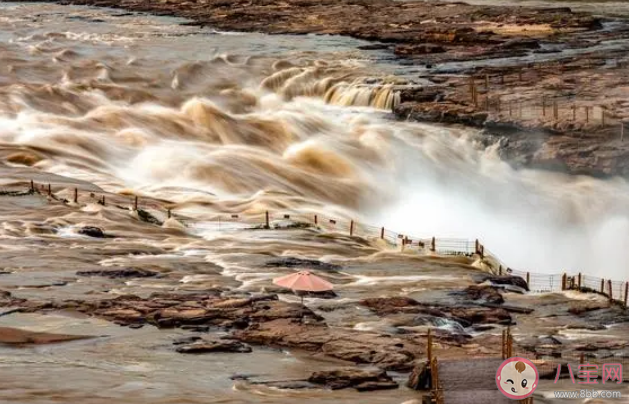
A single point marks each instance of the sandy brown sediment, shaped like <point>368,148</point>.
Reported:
<point>16,336</point>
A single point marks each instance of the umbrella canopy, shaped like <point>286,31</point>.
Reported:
<point>304,280</point>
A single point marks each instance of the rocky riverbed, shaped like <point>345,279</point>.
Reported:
<point>173,300</point>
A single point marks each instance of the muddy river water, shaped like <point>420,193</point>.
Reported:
<point>217,122</point>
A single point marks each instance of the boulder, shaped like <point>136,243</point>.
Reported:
<point>383,305</point>
<point>484,293</point>
<point>92,231</point>
<point>207,346</point>
<point>293,262</point>
<point>503,280</point>
<point>361,380</point>
<point>121,273</point>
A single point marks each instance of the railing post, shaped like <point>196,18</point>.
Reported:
<point>429,345</point>
<point>500,270</point>
<point>76,195</point>
<point>433,244</point>
<point>169,214</point>
<point>626,292</point>
<point>351,228</point>
<point>602,286</point>
<point>103,200</point>
<point>316,220</point>
<point>49,190</point>
<point>609,286</point>
<point>32,186</point>
<point>503,343</point>
<point>266,219</point>
<point>564,281</point>
<point>135,203</point>
<point>476,247</point>
<point>482,251</point>
<point>528,279</point>
<point>579,281</point>
<point>382,233</point>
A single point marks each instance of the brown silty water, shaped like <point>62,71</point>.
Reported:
<point>210,124</point>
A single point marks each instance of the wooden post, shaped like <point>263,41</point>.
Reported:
<point>477,246</point>
<point>500,270</point>
<point>169,214</point>
<point>564,281</point>
<point>316,220</point>
<point>76,195</point>
<point>32,186</point>
<point>482,251</point>
<point>103,200</point>
<point>429,345</point>
<point>433,244</point>
<point>504,344</point>
<point>266,219</point>
<point>49,190</point>
<point>509,343</point>
<point>528,279</point>
<point>135,203</point>
<point>609,286</point>
<point>626,293</point>
<point>382,233</point>
<point>579,284</point>
<point>543,105</point>
<point>351,228</point>
<point>602,286</point>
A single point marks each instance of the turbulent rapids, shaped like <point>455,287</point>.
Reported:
<point>211,123</point>
<point>233,132</point>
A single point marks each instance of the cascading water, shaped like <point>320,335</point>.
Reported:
<point>246,127</point>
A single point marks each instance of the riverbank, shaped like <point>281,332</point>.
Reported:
<point>526,63</point>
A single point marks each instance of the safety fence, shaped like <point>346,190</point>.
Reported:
<point>486,92</point>
<point>155,212</point>
<point>553,362</point>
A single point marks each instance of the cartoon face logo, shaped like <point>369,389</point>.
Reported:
<point>517,378</point>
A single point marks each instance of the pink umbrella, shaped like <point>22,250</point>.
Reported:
<point>305,281</point>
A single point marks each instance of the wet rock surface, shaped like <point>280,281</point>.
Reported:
<point>292,262</point>
<point>121,273</point>
<point>92,231</point>
<point>390,353</point>
<point>202,346</point>
<point>361,380</point>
